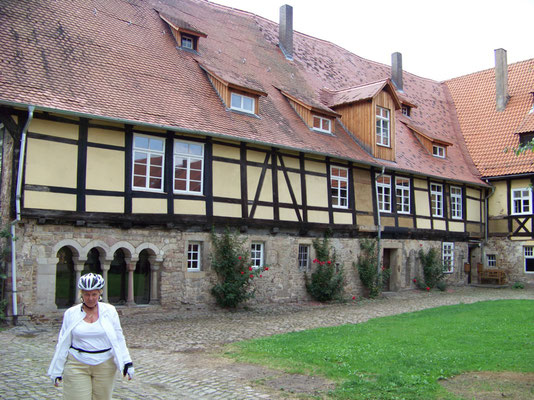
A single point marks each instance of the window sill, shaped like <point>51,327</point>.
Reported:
<point>387,146</point>
<point>241,112</point>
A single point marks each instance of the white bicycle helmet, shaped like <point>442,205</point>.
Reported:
<point>91,281</point>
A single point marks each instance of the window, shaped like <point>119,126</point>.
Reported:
<point>436,196</point>
<point>256,254</point>
<point>188,167</point>
<point>304,257</point>
<point>456,202</point>
<point>447,257</point>
<point>382,126</point>
<point>194,256</point>
<point>406,110</point>
<point>526,138</point>
<point>438,151</point>
<point>383,190</point>
<point>240,102</point>
<point>529,259</point>
<point>187,42</point>
<point>521,201</point>
<point>491,260</point>
<point>402,191</point>
<point>322,124</point>
<point>148,159</point>
<point>339,183</point>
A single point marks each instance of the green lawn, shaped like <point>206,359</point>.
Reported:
<point>404,356</point>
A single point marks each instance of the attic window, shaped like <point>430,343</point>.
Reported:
<point>406,110</point>
<point>526,138</point>
<point>188,42</point>
<point>243,103</point>
<point>322,124</point>
<point>438,151</point>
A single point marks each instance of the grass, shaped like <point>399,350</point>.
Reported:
<point>405,356</point>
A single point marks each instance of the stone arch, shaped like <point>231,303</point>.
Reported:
<point>102,247</point>
<point>127,247</point>
<point>157,253</point>
<point>154,260</point>
<point>77,249</point>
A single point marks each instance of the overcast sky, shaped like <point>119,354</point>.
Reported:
<point>438,40</point>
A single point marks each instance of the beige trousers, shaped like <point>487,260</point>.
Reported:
<point>88,382</point>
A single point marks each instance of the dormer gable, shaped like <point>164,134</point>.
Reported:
<point>435,146</point>
<point>186,35</point>
<point>235,95</point>
<point>316,116</point>
<point>368,112</point>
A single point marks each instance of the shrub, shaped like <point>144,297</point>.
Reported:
<point>432,267</point>
<point>5,248</point>
<point>441,285</point>
<point>518,285</point>
<point>367,266</point>
<point>326,282</point>
<point>230,262</point>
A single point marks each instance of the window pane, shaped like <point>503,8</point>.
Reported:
<point>139,169</point>
<point>180,184</point>
<point>236,101</point>
<point>195,186</point>
<point>156,144</point>
<point>248,104</point>
<point>141,142</point>
<point>529,265</point>
<point>155,183</point>
<point>317,122</point>
<point>195,175</point>
<point>181,147</point>
<point>140,157</point>
<point>139,181</point>
<point>195,149</point>
<point>326,125</point>
<point>156,172</point>
<point>196,164</point>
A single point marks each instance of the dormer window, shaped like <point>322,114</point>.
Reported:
<point>322,124</point>
<point>185,34</point>
<point>240,102</point>
<point>438,151</point>
<point>187,42</point>
<point>382,126</point>
<point>526,138</point>
<point>406,110</point>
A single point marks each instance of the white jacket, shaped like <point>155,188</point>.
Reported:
<point>108,317</point>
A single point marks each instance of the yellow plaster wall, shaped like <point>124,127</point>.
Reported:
<point>520,183</point>
<point>226,210</point>
<point>226,180</point>
<point>287,214</point>
<point>363,190</point>
<point>420,183</point>
<point>440,225</point>
<point>342,218</point>
<point>148,129</point>
<point>49,201</point>
<point>405,222</point>
<point>316,191</point>
<point>105,136</point>
<point>111,204</point>
<point>387,221</point>
<point>105,169</point>
<point>256,156</point>
<point>191,207</point>
<point>262,212</point>
<point>318,216</point>
<point>423,223</point>
<point>365,220</point>
<point>290,162</point>
<point>315,166</point>
<point>58,129</point>
<point>283,190</point>
<point>498,226</point>
<point>498,202</point>
<point>471,192</point>
<point>253,180</point>
<point>149,206</point>
<point>422,207</point>
<point>226,151</point>
<point>473,210</point>
<point>51,163</point>
<point>456,226</point>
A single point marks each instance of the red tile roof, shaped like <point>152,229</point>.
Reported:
<point>117,59</point>
<point>488,132</point>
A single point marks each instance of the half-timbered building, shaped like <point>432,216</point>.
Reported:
<point>131,129</point>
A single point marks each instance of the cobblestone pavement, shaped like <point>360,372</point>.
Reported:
<point>177,353</point>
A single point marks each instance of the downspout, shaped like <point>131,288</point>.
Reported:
<point>486,221</point>
<point>22,154</point>
<point>379,235</point>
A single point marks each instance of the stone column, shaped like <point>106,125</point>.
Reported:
<point>78,268</point>
<point>130,267</point>
<point>105,265</point>
<point>154,268</point>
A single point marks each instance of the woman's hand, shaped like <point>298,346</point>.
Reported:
<point>57,381</point>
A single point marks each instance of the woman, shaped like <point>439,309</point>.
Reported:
<point>90,347</point>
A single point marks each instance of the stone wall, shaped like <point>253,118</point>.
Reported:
<point>509,257</point>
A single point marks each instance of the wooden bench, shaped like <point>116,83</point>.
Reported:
<point>496,275</point>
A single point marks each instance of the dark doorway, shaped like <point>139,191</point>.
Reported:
<point>142,279</point>
<point>118,279</point>
<point>386,264</point>
<point>65,279</point>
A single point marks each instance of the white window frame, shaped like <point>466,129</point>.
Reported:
<point>149,153</point>
<point>383,126</point>
<point>257,254</point>
<point>438,151</point>
<point>491,260</point>
<point>406,110</point>
<point>456,202</point>
<point>383,192</point>
<point>190,158</point>
<point>402,193</point>
<point>194,256</point>
<point>241,97</point>
<point>322,121</point>
<point>187,40</point>
<point>447,257</point>
<point>436,199</point>
<point>528,254</point>
<point>521,204</point>
<point>304,257</point>
<point>339,187</point>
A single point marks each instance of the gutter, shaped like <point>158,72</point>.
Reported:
<point>22,155</point>
<point>486,220</point>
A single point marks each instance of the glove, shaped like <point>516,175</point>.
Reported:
<point>57,380</point>
<point>128,369</point>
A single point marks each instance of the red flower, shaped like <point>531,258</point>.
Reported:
<point>414,280</point>
<point>250,268</point>
<point>329,262</point>
<point>239,258</point>
<point>315,260</point>
<point>427,289</point>
<point>261,276</point>
<point>353,297</point>
<point>242,272</point>
<point>266,268</point>
<point>251,276</point>
<point>383,268</point>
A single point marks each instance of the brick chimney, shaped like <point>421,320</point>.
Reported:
<point>396,70</point>
<point>285,31</point>
<point>501,79</point>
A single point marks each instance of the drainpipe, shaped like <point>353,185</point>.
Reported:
<point>486,220</point>
<point>22,154</point>
<point>379,236</point>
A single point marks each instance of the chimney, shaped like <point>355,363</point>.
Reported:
<point>501,79</point>
<point>396,70</point>
<point>285,31</point>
